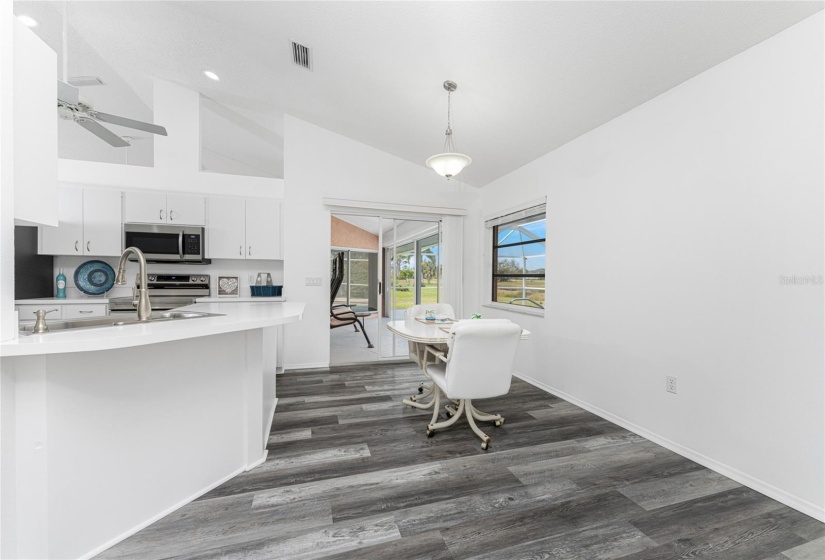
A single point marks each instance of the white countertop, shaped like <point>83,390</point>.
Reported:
<point>55,301</point>
<point>89,300</point>
<point>237,316</point>
<point>248,299</point>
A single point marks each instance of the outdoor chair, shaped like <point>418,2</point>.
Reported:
<point>341,315</point>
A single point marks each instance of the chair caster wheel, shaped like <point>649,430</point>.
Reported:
<point>430,433</point>
<point>420,390</point>
<point>449,414</point>
<point>484,445</point>
<point>499,422</point>
<point>412,398</point>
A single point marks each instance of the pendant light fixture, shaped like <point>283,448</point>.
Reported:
<point>449,163</point>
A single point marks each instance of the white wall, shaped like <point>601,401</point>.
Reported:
<point>8,326</point>
<point>177,156</point>
<point>35,129</point>
<point>318,164</point>
<point>669,229</point>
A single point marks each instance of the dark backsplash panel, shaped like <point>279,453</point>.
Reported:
<point>33,273</point>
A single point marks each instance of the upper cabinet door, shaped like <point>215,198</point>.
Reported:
<point>263,229</point>
<point>144,207</point>
<point>102,230</point>
<point>225,229</point>
<point>67,237</point>
<point>186,210</point>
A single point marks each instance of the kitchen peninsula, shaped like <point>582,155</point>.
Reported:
<point>106,430</point>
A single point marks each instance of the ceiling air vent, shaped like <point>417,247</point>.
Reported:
<point>301,55</point>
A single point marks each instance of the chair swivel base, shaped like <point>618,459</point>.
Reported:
<point>415,400</point>
<point>472,415</point>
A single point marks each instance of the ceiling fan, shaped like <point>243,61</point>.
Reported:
<point>70,107</point>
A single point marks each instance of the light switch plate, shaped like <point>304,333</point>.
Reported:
<point>313,281</point>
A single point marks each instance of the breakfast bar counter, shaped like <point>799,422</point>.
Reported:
<point>106,430</point>
<point>235,316</point>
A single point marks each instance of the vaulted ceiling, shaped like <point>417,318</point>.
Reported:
<point>531,76</point>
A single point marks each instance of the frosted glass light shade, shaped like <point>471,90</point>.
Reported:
<point>448,164</point>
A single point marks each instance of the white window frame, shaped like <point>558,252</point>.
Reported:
<point>528,208</point>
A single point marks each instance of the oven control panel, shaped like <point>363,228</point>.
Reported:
<point>175,280</point>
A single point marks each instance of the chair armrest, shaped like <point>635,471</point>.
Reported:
<point>440,354</point>
<point>346,313</point>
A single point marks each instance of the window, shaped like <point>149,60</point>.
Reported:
<point>519,251</point>
<point>360,271</point>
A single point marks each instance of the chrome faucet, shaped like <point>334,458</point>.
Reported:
<point>144,308</point>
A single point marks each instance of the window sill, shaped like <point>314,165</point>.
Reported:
<point>524,310</point>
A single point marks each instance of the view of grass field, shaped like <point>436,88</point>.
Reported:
<point>356,291</point>
<point>508,289</point>
<point>405,293</point>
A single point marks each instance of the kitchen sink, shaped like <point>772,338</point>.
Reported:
<point>114,321</point>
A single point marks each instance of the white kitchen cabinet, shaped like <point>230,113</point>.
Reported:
<point>89,224</point>
<point>67,237</point>
<point>263,229</point>
<point>226,228</point>
<point>160,208</point>
<point>27,312</point>
<point>240,228</point>
<point>78,311</point>
<point>102,227</point>
<point>64,311</point>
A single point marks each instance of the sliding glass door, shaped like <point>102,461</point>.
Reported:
<point>355,331</point>
<point>411,272</point>
<point>389,265</point>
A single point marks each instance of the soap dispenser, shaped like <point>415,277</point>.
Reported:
<point>61,284</point>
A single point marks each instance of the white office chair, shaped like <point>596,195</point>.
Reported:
<point>416,349</point>
<point>479,366</point>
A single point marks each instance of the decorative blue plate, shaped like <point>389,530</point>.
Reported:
<point>94,278</point>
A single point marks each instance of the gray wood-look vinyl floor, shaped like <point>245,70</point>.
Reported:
<point>351,474</point>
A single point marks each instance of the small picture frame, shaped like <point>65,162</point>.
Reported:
<point>229,286</point>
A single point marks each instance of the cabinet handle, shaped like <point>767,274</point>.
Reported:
<point>76,245</point>
<point>240,250</point>
<point>88,248</point>
<point>160,216</point>
<point>171,215</point>
<point>250,250</point>
<point>85,311</point>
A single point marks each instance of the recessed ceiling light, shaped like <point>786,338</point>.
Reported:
<point>211,75</point>
<point>28,21</point>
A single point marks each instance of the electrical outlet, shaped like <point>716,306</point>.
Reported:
<point>670,384</point>
<point>250,278</point>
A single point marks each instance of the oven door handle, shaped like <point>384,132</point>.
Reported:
<point>180,244</point>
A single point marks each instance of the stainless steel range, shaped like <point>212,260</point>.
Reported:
<point>166,291</point>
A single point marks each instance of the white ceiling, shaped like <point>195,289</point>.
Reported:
<point>531,75</point>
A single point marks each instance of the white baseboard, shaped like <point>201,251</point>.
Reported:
<point>260,461</point>
<point>318,365</point>
<point>164,513</point>
<point>745,479</point>
<point>269,422</point>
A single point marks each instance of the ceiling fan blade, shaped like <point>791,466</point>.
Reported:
<point>103,133</point>
<point>130,123</point>
<point>67,93</point>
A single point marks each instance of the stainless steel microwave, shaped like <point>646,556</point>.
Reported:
<point>168,244</point>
